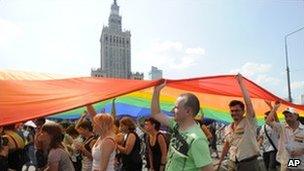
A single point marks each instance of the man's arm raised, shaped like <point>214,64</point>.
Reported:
<point>249,107</point>
<point>81,119</point>
<point>272,115</point>
<point>155,107</point>
<point>90,112</point>
<point>271,107</point>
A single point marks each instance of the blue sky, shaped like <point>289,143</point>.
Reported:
<point>185,38</point>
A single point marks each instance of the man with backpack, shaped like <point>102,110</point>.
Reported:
<point>188,148</point>
<point>268,139</point>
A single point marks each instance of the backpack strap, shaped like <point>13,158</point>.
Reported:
<point>125,140</point>
<point>161,134</point>
<point>185,160</point>
<point>270,140</point>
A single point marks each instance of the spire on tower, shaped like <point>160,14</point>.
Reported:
<point>115,8</point>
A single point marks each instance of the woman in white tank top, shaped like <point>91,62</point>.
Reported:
<point>103,151</point>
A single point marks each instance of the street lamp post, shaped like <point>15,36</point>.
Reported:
<point>287,64</point>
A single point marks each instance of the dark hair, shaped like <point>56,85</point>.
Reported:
<point>86,125</point>
<point>116,122</point>
<point>267,113</point>
<point>154,122</point>
<point>301,119</point>
<point>128,122</point>
<point>199,121</point>
<point>56,133</point>
<point>39,121</point>
<point>191,101</point>
<point>71,130</point>
<point>9,127</point>
<point>64,124</point>
<point>237,102</point>
<point>3,141</point>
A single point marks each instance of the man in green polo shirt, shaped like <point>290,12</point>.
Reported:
<point>188,149</point>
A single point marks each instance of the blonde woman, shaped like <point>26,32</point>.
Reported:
<point>103,151</point>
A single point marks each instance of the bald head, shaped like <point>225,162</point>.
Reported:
<point>192,102</point>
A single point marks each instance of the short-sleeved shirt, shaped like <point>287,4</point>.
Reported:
<point>242,139</point>
<point>62,157</point>
<point>290,141</point>
<point>188,150</point>
<point>267,146</point>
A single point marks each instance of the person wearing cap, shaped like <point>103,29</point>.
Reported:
<point>291,142</point>
<point>29,149</point>
<point>241,140</point>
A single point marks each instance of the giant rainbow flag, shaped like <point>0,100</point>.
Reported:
<point>24,99</point>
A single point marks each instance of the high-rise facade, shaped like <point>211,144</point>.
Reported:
<point>155,73</point>
<point>115,51</point>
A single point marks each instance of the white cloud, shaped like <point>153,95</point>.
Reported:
<point>259,73</point>
<point>167,45</point>
<point>297,85</point>
<point>195,51</point>
<point>249,69</point>
<point>9,32</point>
<point>264,79</point>
<point>58,50</point>
<point>184,63</point>
<point>235,71</point>
<point>168,55</point>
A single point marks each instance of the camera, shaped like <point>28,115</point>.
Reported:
<point>3,141</point>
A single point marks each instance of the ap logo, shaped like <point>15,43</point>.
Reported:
<point>294,162</point>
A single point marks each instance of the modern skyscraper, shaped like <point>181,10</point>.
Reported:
<point>155,73</point>
<point>115,51</point>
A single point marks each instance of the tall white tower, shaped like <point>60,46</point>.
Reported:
<point>115,51</point>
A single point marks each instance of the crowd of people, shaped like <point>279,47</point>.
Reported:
<point>100,142</point>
